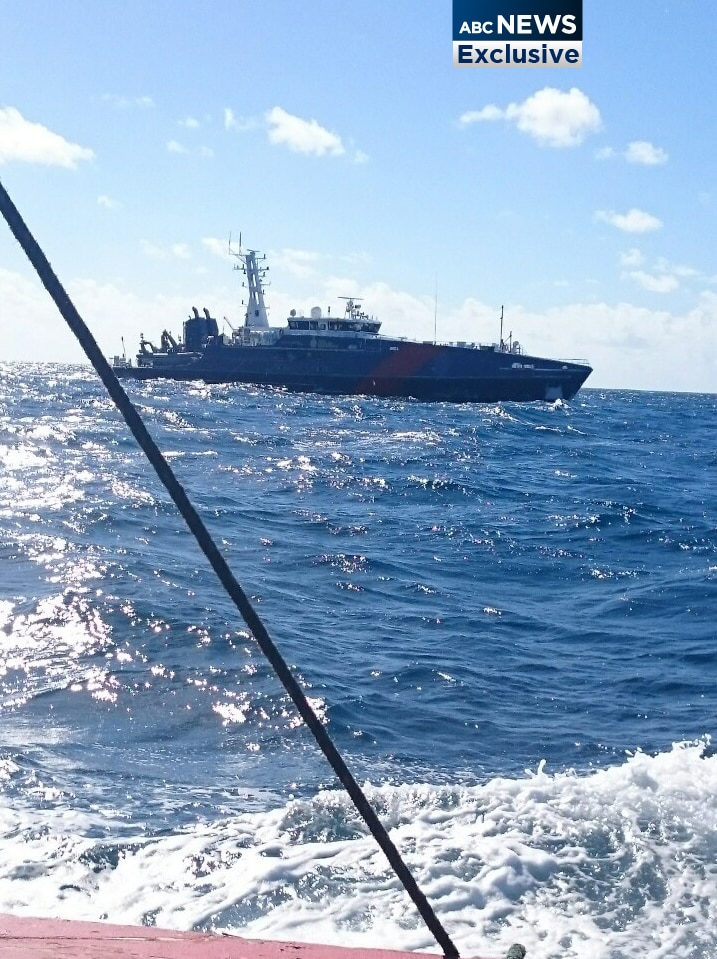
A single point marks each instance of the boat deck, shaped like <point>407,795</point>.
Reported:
<point>28,938</point>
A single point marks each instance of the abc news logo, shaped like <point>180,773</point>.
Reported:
<point>549,33</point>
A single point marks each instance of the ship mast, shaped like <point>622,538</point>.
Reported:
<point>253,269</point>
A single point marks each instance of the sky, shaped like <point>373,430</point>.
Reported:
<point>138,138</point>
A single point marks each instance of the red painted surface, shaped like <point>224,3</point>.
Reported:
<point>25,938</point>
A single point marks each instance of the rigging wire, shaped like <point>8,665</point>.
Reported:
<point>196,525</point>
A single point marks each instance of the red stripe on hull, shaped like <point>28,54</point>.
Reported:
<point>399,365</point>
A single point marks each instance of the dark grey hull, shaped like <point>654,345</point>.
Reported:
<point>389,368</point>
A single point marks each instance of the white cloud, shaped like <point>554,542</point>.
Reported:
<point>634,221</point>
<point>663,276</point>
<point>655,283</point>
<point>665,266</point>
<point>217,247</point>
<point>486,113</point>
<point>174,146</point>
<point>605,153</point>
<point>110,312</point>
<point>631,258</point>
<point>300,263</point>
<point>552,117</point>
<point>180,251</point>
<point>640,151</point>
<point>302,136</point>
<point>124,103</point>
<point>190,123</point>
<point>28,142</point>
<point>631,347</point>
<point>23,295</point>
<point>242,124</point>
<point>107,202</point>
<point>151,250</point>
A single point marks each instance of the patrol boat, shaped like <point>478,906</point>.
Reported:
<point>346,354</point>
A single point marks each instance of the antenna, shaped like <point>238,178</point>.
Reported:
<point>235,252</point>
<point>435,311</point>
<point>502,344</point>
<point>252,266</point>
<point>353,307</point>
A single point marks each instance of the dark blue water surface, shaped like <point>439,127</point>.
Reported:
<point>465,593</point>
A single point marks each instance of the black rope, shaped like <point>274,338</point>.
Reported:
<point>219,564</point>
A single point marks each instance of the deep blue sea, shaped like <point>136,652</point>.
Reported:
<point>506,616</point>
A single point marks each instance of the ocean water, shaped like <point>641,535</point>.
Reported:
<point>504,614</point>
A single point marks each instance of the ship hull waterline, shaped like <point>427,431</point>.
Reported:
<point>544,384</point>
